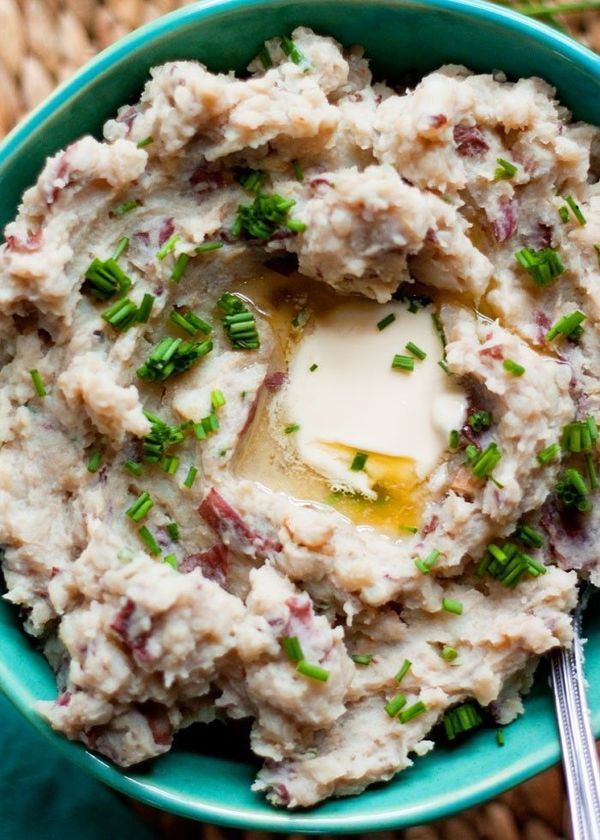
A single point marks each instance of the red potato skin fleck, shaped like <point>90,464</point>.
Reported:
<point>166,230</point>
<point>121,626</point>
<point>159,723</point>
<point>469,140</point>
<point>275,381</point>
<point>32,243</point>
<point>227,523</point>
<point>430,526</point>
<point>496,351</point>
<point>505,224</point>
<point>213,563</point>
<point>206,180</point>
<point>438,120</point>
<point>63,699</point>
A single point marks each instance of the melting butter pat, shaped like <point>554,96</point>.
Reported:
<point>354,401</point>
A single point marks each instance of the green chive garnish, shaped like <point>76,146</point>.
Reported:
<point>293,427</point>
<point>297,170</point>
<point>94,462</point>
<point>362,658</point>
<point>179,267</point>
<point>145,308</point>
<point>172,356</point>
<point>121,315</point>
<point>452,606</point>
<point>145,142</point>
<point>38,382</point>
<point>393,706</point>
<point>461,719</point>
<point>133,467</point>
<point>294,53</point>
<point>449,653</point>
<point>265,58</point>
<point>568,326</point>
<point>483,463</point>
<point>403,670</point>
<point>126,207</point>
<point>313,367</point>
<point>500,737</point>
<point>190,477</point>
<point>293,648</point>
<point>504,169</point>
<point>168,246</point>
<point>412,712</point>
<point>544,266</point>
<point>148,539</point>
<point>576,210</point>
<point>480,420</point>
<point>205,247</point>
<point>238,322</point>
<point>410,528</point>
<point>403,363</point>
<point>563,213</point>
<point>217,399</point>
<point>105,278</point>
<point>266,214</point>
<point>170,464</point>
<point>359,461</point>
<point>172,529</point>
<point>416,351</point>
<point>548,454</point>
<point>121,246</point>
<point>513,367</point>
<point>315,672</point>
<point>171,560</point>
<point>530,536</point>
<point>141,507</point>
<point>385,322</point>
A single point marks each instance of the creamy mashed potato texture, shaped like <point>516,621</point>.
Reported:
<point>236,479</point>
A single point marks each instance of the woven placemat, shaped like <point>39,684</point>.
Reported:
<point>43,43</point>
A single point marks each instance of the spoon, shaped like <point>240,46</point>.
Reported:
<point>580,759</point>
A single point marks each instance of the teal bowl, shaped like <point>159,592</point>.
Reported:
<point>400,37</point>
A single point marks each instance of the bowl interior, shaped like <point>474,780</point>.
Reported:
<point>402,39</point>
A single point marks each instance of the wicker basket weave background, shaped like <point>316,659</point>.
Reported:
<point>43,43</point>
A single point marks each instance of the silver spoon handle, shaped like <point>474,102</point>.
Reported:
<point>580,758</point>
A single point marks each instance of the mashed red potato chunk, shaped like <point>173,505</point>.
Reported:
<point>168,586</point>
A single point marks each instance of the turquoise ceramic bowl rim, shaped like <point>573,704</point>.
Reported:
<point>466,795</point>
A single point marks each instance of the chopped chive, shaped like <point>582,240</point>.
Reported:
<point>199,431</point>
<point>563,213</point>
<point>172,529</point>
<point>412,712</point>
<point>133,467</point>
<point>543,266</point>
<point>591,471</point>
<point>145,142</point>
<point>576,210</point>
<point>504,169</point>
<point>597,250</point>
<point>205,247</point>
<point>480,420</point>
<point>265,58</point>
<point>297,170</point>
<point>266,214</point>
<point>444,366</point>
<point>393,706</point>
<point>168,246</point>
<point>140,508</point>
<point>95,461</point>
<point>437,326</point>
<point>190,477</point>
<point>179,267</point>
<point>403,363</point>
<point>38,382</point>
<point>422,566</point>
<point>410,528</point>
<point>171,560</point>
<point>170,464</point>
<point>548,454</point>
<point>362,658</point>
<point>145,308</point>
<point>238,322</point>
<point>294,54</point>
<point>190,323</point>
<point>293,427</point>
<point>148,538</point>
<point>172,356</point>
<point>126,207</point>
<point>453,439</point>
<point>105,278</point>
<point>359,461</point>
<point>217,399</point>
<point>416,351</point>
<point>121,246</point>
<point>315,672</point>
<point>293,648</point>
<point>452,606</point>
<point>313,367</point>
<point>449,653</point>
<point>121,315</point>
<point>568,326</point>
<point>210,423</point>
<point>432,558</point>
<point>461,719</point>
<point>500,737</point>
<point>385,322</point>
<point>486,461</point>
<point>530,536</point>
<point>403,670</point>
<point>513,367</point>
<point>300,318</point>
